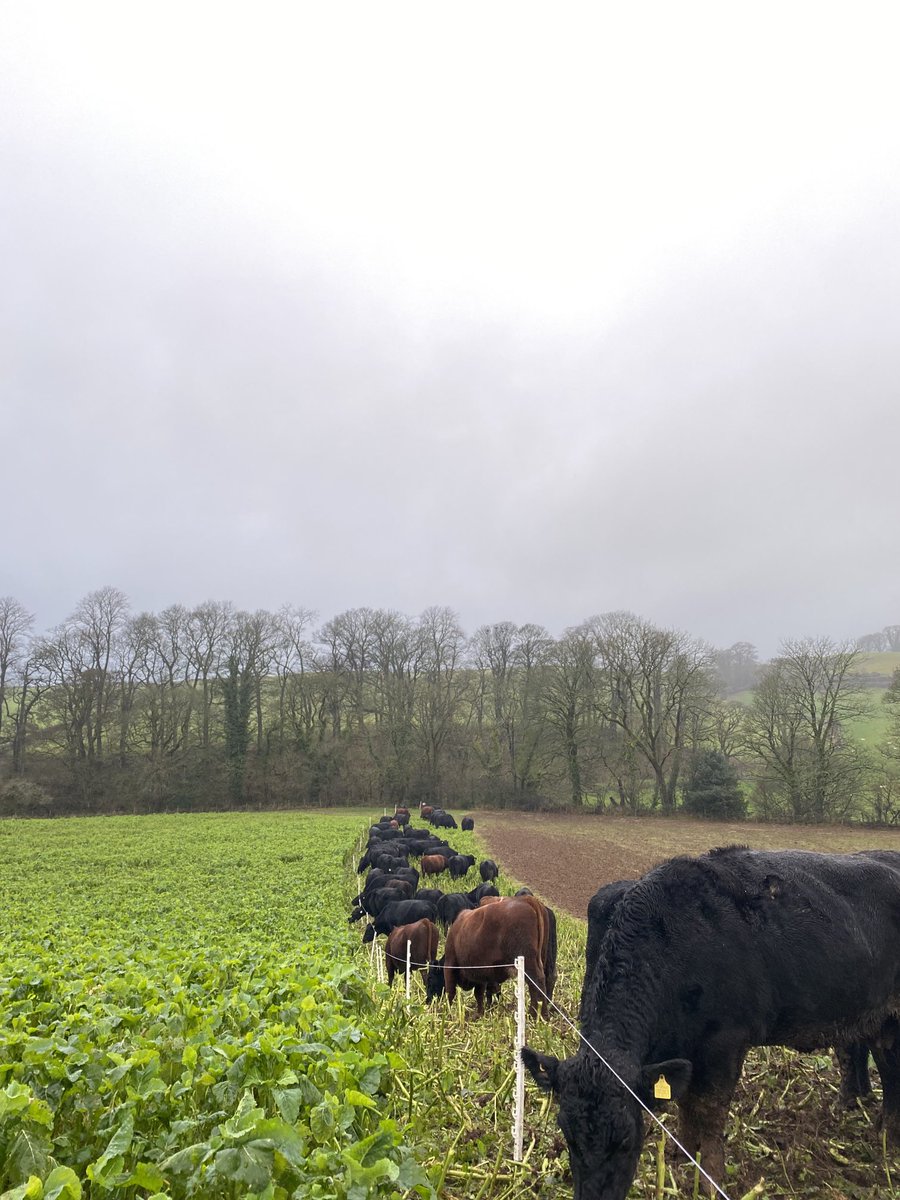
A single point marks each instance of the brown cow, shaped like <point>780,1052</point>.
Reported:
<point>424,938</point>
<point>489,900</point>
<point>483,943</point>
<point>433,864</point>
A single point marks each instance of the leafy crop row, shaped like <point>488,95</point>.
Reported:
<point>181,1014</point>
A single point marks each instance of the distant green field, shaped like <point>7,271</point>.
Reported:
<point>884,663</point>
<point>872,728</point>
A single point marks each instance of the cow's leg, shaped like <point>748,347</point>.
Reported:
<point>479,1000</point>
<point>703,1111</point>
<point>886,1053</point>
<point>449,981</point>
<point>537,984</point>
<point>853,1060</point>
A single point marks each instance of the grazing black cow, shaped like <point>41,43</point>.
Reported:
<point>468,822</point>
<point>488,870</point>
<point>460,865</point>
<point>477,894</point>
<point>852,1058</point>
<point>411,835</point>
<point>410,874</point>
<point>703,958</point>
<point>375,879</point>
<point>399,912</point>
<point>450,906</point>
<point>376,900</point>
<point>388,860</point>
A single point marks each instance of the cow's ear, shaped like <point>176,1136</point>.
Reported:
<point>543,1067</point>
<point>666,1080</point>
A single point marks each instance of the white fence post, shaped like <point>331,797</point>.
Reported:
<point>408,965</point>
<point>519,1111</point>
<point>376,958</point>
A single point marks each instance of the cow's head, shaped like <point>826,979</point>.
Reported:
<point>434,980</point>
<point>601,1122</point>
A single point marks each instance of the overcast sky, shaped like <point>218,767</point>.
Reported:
<point>534,312</point>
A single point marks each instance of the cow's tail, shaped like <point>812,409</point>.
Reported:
<point>550,952</point>
<point>543,929</point>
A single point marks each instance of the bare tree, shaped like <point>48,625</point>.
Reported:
<point>801,707</point>
<point>292,654</point>
<point>32,681</point>
<point>351,637</point>
<point>15,629</point>
<point>207,635</point>
<point>737,667</point>
<point>439,696</point>
<point>568,696</point>
<point>98,622</point>
<point>728,726</point>
<point>398,655</point>
<point>508,659</point>
<point>654,680</point>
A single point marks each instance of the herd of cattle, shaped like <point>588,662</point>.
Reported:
<point>485,932</point>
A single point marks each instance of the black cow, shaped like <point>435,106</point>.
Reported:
<point>375,901</point>
<point>484,889</point>
<point>468,822</point>
<point>410,874</point>
<point>853,1058</point>
<point>488,870</point>
<point>703,958</point>
<point>399,912</point>
<point>600,909</point>
<point>450,906</point>
<point>460,865</point>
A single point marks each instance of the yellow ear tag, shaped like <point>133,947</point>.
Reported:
<point>661,1089</point>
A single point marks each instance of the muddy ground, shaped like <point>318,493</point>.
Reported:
<point>567,857</point>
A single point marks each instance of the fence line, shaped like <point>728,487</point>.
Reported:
<point>448,967</point>
<point>519,1041</point>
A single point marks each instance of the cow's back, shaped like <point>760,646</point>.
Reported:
<point>786,947</point>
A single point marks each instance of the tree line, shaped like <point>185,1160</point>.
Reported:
<point>214,706</point>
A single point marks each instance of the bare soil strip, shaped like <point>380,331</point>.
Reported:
<point>567,857</point>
